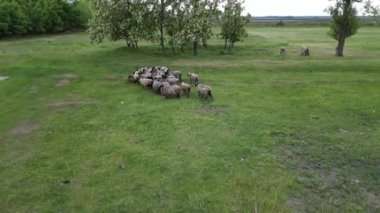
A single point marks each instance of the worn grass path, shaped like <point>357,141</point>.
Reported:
<point>284,134</point>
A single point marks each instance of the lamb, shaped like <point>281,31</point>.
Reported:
<point>204,91</point>
<point>193,77</point>
<point>185,89</point>
<point>170,91</point>
<point>146,82</point>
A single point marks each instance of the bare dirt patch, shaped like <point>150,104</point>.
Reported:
<point>24,128</point>
<point>2,78</point>
<point>374,201</point>
<point>69,76</point>
<point>295,203</point>
<point>66,79</point>
<point>62,82</point>
<point>329,179</point>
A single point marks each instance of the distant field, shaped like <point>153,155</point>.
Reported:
<point>303,20</point>
<point>291,20</point>
<point>284,134</point>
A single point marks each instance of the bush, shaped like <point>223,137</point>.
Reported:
<point>42,16</point>
<point>13,21</point>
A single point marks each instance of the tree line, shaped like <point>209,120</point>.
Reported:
<point>20,17</point>
<point>174,24</point>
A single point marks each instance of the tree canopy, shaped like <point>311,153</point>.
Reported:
<point>180,23</point>
<point>18,17</point>
<point>345,22</point>
<point>233,23</point>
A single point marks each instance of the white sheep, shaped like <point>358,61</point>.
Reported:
<point>185,89</point>
<point>204,91</point>
<point>170,91</point>
<point>145,82</point>
<point>193,77</point>
<point>172,80</point>
<point>156,86</point>
<point>177,74</point>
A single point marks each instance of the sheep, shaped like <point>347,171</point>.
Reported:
<point>204,91</point>
<point>185,89</point>
<point>136,76</point>
<point>170,91</point>
<point>177,74</point>
<point>305,51</point>
<point>172,80</point>
<point>146,75</point>
<point>146,82</point>
<point>177,89</point>
<point>282,51</point>
<point>162,85</point>
<point>193,77</point>
<point>157,75</point>
<point>130,78</point>
<point>156,87</point>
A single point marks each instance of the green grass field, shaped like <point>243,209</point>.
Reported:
<point>284,134</point>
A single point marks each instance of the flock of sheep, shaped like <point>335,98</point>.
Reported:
<point>169,83</point>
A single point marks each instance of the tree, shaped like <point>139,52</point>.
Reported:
<point>42,16</point>
<point>183,21</point>
<point>12,19</point>
<point>175,26</point>
<point>345,22</point>
<point>130,20</point>
<point>372,10</point>
<point>161,14</point>
<point>199,15</point>
<point>233,23</point>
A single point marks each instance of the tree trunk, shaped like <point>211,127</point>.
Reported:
<point>173,46</point>
<point>195,48</point>
<point>343,29</point>
<point>225,43</point>
<point>339,48</point>
<point>162,26</point>
<point>204,41</point>
<point>230,45</point>
<point>341,42</point>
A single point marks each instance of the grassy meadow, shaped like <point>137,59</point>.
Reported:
<point>283,134</point>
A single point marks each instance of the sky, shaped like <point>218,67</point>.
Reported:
<point>288,7</point>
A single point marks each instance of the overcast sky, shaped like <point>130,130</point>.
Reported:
<point>288,7</point>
